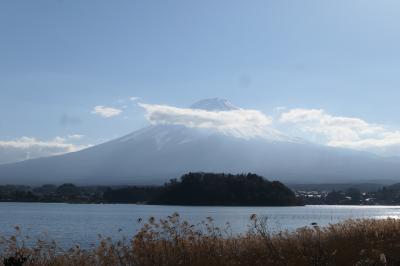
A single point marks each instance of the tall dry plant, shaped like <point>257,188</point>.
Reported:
<point>173,241</point>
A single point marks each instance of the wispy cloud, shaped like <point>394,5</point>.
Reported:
<point>241,123</point>
<point>134,98</point>
<point>28,148</point>
<point>106,112</point>
<point>75,136</point>
<point>346,132</point>
<point>315,125</point>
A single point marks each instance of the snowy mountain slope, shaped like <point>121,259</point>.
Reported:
<point>155,154</point>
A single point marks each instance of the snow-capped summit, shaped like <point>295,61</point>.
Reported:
<point>161,151</point>
<point>214,104</point>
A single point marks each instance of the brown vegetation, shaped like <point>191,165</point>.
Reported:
<point>176,242</point>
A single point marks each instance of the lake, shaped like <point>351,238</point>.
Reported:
<point>81,224</point>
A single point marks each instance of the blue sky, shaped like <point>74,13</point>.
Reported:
<point>60,59</point>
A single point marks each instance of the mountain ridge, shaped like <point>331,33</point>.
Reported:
<point>157,153</point>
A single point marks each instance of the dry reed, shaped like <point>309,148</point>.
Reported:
<point>173,241</point>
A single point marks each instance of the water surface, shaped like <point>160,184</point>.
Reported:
<point>82,223</point>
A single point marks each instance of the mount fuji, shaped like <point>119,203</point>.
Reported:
<point>159,152</point>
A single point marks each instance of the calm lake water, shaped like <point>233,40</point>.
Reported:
<point>81,223</point>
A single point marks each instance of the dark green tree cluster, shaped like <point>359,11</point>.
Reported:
<point>225,190</point>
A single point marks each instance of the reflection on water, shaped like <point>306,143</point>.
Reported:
<point>81,223</point>
<point>394,216</point>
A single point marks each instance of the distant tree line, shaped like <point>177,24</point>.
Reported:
<point>389,195</point>
<point>191,189</point>
<point>51,193</point>
<point>201,189</point>
<point>130,194</point>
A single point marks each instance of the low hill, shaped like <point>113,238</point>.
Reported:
<point>198,189</point>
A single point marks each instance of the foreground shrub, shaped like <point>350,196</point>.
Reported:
<point>172,241</point>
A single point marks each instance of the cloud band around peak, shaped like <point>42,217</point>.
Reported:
<point>241,123</point>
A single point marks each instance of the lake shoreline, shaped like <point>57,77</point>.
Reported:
<point>174,241</point>
<point>144,203</point>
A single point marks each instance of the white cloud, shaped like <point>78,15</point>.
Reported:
<point>75,136</point>
<point>240,123</point>
<point>28,148</point>
<point>345,132</point>
<point>106,112</point>
<point>133,98</point>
